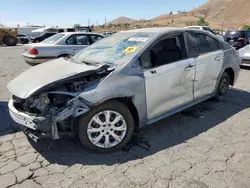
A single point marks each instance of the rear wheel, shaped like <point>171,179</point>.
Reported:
<point>10,40</point>
<point>223,87</point>
<point>106,128</point>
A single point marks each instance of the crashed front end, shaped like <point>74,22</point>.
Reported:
<point>52,111</point>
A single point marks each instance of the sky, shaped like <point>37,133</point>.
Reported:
<point>66,13</point>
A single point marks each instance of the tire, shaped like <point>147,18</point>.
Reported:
<point>10,40</point>
<point>86,121</point>
<point>223,87</point>
<point>25,41</point>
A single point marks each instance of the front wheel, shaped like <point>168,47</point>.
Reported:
<point>223,87</point>
<point>106,128</point>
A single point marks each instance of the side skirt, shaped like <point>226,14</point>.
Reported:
<point>179,109</point>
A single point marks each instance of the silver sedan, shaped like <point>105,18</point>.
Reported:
<point>59,45</point>
<point>244,54</point>
<point>117,85</point>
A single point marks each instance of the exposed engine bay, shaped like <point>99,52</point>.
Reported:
<point>58,103</point>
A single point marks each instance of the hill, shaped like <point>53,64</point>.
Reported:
<point>123,20</point>
<point>227,14</point>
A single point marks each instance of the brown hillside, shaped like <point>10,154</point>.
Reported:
<point>226,13</point>
<point>219,13</point>
<point>123,20</point>
<point>178,19</point>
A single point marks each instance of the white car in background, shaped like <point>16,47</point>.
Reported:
<point>58,45</point>
<point>244,54</point>
<point>205,28</point>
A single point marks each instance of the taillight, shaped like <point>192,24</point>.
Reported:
<point>241,38</point>
<point>33,51</point>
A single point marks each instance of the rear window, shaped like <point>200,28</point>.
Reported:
<point>53,38</point>
<point>235,34</point>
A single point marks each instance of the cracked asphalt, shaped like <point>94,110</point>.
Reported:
<point>205,146</point>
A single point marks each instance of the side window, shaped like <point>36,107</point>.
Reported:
<point>201,42</point>
<point>95,38</point>
<point>166,51</point>
<point>82,40</point>
<point>71,40</point>
<point>215,45</point>
<point>78,40</point>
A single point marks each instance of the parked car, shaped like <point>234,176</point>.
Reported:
<point>237,38</point>
<point>244,54</point>
<point>41,37</point>
<point>205,28</point>
<point>24,39</point>
<point>59,45</point>
<point>110,89</point>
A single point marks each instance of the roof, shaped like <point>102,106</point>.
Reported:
<point>78,32</point>
<point>194,26</point>
<point>156,29</point>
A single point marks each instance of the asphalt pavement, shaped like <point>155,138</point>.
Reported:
<point>205,146</point>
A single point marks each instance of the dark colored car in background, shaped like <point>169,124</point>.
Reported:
<point>24,39</point>
<point>237,38</point>
<point>41,37</point>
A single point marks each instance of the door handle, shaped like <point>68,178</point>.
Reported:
<point>74,49</point>
<point>153,71</point>
<point>217,58</point>
<point>189,67</point>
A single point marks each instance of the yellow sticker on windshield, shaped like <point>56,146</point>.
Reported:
<point>130,50</point>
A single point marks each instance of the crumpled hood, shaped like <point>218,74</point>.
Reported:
<point>44,74</point>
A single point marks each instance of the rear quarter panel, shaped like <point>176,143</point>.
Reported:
<point>53,51</point>
<point>231,60</point>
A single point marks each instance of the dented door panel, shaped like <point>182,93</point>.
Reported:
<point>169,87</point>
<point>208,68</point>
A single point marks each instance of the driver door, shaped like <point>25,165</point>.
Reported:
<point>169,75</point>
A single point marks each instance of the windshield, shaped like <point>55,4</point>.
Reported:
<point>116,49</point>
<point>53,38</point>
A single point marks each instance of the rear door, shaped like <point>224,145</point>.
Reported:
<point>208,63</point>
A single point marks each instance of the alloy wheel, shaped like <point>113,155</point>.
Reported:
<point>107,129</point>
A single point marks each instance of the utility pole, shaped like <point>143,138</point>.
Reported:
<point>97,23</point>
<point>89,22</point>
<point>105,20</point>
